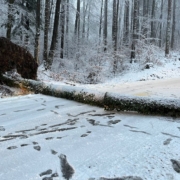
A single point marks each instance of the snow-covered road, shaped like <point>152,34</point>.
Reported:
<point>163,88</point>
<point>36,129</point>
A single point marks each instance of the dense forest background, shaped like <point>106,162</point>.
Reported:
<point>89,41</point>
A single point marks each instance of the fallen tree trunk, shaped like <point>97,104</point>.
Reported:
<point>144,105</point>
<point>64,91</point>
<point>110,101</point>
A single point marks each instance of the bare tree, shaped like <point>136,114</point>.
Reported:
<point>126,24</point>
<point>38,21</point>
<point>105,24</point>
<point>135,19</point>
<point>77,21</point>
<point>168,28</point>
<point>174,24</point>
<point>114,26</point>
<point>100,21</point>
<point>62,28</point>
<point>88,23</point>
<point>161,24</point>
<point>55,33</point>
<point>10,18</point>
<point>67,28</point>
<point>46,27</point>
<point>152,20</point>
<point>84,18</point>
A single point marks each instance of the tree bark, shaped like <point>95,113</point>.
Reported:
<point>67,29</point>
<point>161,24</point>
<point>142,105</point>
<point>114,26</point>
<point>62,29</point>
<point>77,22</point>
<point>126,24</point>
<point>10,19</point>
<point>88,24</point>
<point>55,33</point>
<point>152,21</point>
<point>84,18</point>
<point>46,28</point>
<point>38,21</point>
<point>100,21</point>
<point>168,29</point>
<point>135,19</point>
<point>173,25</point>
<point>105,25</point>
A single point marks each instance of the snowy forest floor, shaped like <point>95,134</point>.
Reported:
<point>161,80</point>
<point>35,129</point>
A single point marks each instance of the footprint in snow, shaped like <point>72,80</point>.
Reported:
<point>113,122</point>
<point>49,138</point>
<point>47,178</point>
<point>110,117</point>
<point>2,128</point>
<point>84,135</point>
<point>53,152</point>
<point>66,169</point>
<point>40,109</point>
<point>22,145</point>
<point>176,165</point>
<point>166,142</point>
<point>59,137</point>
<point>38,148</point>
<point>12,147</point>
<point>49,171</point>
<point>35,142</point>
<point>55,175</point>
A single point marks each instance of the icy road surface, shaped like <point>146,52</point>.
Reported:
<point>36,129</point>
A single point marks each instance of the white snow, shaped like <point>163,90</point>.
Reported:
<point>162,80</point>
<point>134,146</point>
<point>96,143</point>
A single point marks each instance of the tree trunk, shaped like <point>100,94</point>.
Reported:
<point>100,22</point>
<point>174,24</point>
<point>77,22</point>
<point>55,33</point>
<point>142,105</point>
<point>117,8</point>
<point>46,28</point>
<point>161,25</point>
<point>105,25</point>
<point>152,21</point>
<point>168,29</point>
<point>10,19</point>
<point>88,24</point>
<point>38,21</point>
<point>126,24</point>
<point>67,29</point>
<point>145,19</point>
<point>114,26</point>
<point>135,19</point>
<point>84,17</point>
<point>62,28</point>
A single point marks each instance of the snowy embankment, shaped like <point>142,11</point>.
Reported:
<point>35,130</point>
